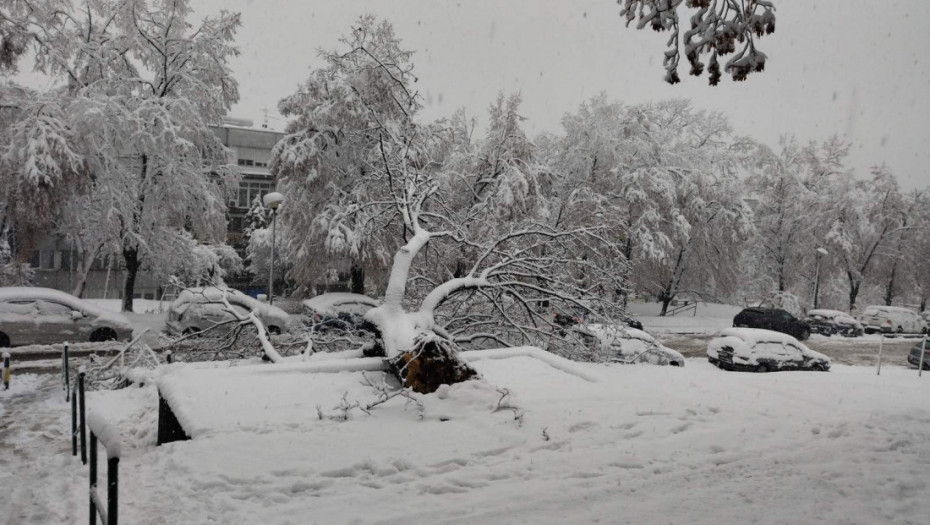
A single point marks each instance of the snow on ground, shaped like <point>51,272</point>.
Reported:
<point>641,444</point>
<point>707,318</point>
<point>638,444</point>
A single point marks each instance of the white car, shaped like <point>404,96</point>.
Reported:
<point>892,319</point>
<point>197,309</point>
<point>635,346</point>
<point>757,350</point>
<point>45,316</point>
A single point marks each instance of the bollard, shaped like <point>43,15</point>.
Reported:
<point>168,357</point>
<point>67,359</point>
<point>6,370</point>
<point>83,422</point>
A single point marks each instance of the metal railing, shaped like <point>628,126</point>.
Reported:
<point>77,419</point>
<point>923,350</point>
<point>103,432</point>
<point>683,308</point>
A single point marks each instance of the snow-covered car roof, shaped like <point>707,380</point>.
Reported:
<point>633,343</point>
<point>212,294</point>
<point>881,307</point>
<point>28,293</point>
<point>836,315</point>
<point>755,335</point>
<point>751,337</point>
<point>334,303</point>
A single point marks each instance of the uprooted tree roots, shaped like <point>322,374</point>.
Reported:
<point>432,362</point>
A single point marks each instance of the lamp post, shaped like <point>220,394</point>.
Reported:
<point>272,201</point>
<point>820,252</point>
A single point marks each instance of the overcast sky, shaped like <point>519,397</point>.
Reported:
<point>856,68</point>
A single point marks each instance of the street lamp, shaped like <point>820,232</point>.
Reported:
<point>820,252</point>
<point>272,201</point>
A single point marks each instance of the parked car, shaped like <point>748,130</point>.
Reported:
<point>45,316</point>
<point>892,319</point>
<point>925,315</point>
<point>830,322</point>
<point>757,350</point>
<point>337,310</point>
<point>772,319</point>
<point>913,357</point>
<point>634,346</point>
<point>197,309</point>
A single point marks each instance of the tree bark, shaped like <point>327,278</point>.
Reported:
<point>357,275</point>
<point>889,288</point>
<point>131,257</point>
<point>853,291</point>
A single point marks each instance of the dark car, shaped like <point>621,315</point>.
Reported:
<point>772,319</point>
<point>914,356</point>
<point>830,322</point>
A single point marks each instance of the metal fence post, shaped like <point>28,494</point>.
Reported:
<point>74,422</point>
<point>6,370</point>
<point>923,351</point>
<point>66,358</point>
<point>93,478</point>
<point>83,421</point>
<point>881,342</point>
<point>112,489</point>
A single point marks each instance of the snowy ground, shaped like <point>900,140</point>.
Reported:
<point>639,444</point>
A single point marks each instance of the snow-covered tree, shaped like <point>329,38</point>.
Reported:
<point>864,218</point>
<point>718,28</point>
<point>900,259</point>
<point>783,227</point>
<point>142,87</point>
<point>342,119</point>
<point>708,219</point>
<point>426,190</point>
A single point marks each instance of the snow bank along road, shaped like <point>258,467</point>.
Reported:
<point>641,444</point>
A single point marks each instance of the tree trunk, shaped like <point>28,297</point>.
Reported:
<point>418,354</point>
<point>671,289</point>
<point>86,258</point>
<point>889,288</point>
<point>665,302</point>
<point>131,256</point>
<point>853,291</point>
<point>357,274</point>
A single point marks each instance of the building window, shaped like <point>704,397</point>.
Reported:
<point>43,259</point>
<point>248,191</point>
<point>246,162</point>
<point>70,260</point>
